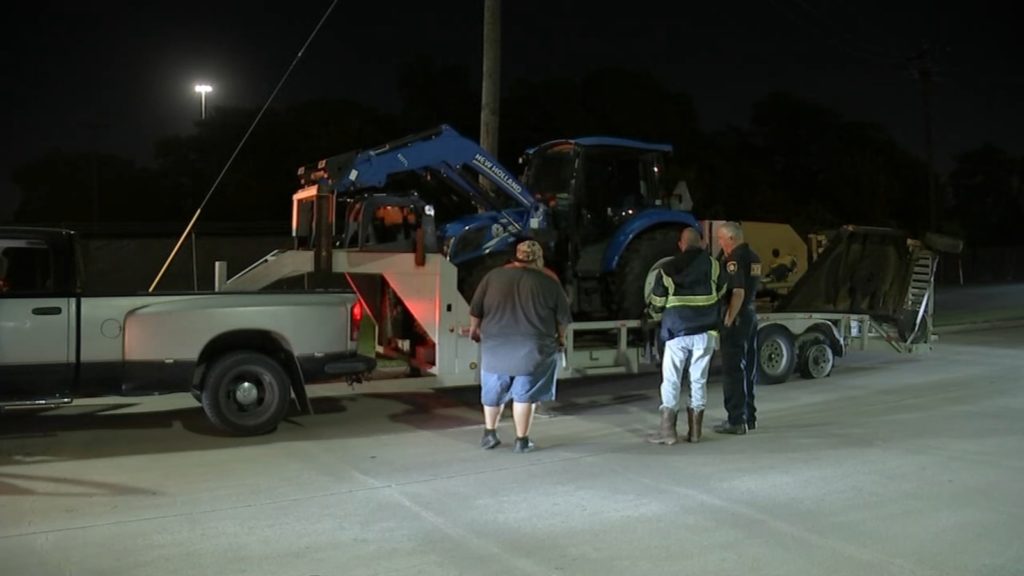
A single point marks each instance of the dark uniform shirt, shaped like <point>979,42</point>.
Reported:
<point>742,269</point>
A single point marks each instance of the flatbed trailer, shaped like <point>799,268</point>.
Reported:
<point>873,285</point>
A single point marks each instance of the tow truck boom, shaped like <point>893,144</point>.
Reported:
<point>441,151</point>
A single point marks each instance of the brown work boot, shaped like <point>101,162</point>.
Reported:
<point>667,432</point>
<point>695,422</point>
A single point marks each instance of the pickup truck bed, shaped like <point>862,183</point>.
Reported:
<point>241,354</point>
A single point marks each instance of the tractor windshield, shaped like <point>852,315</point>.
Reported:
<point>549,172</point>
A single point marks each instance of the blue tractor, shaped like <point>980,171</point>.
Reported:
<point>616,216</point>
<point>598,205</point>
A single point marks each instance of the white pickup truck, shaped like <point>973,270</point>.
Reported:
<point>240,354</point>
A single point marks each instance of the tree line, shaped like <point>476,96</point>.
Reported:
<point>794,160</point>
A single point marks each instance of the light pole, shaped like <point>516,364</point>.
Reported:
<point>202,89</point>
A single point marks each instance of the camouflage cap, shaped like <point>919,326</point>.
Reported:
<point>529,251</point>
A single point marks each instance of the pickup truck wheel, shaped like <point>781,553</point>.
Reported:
<point>246,393</point>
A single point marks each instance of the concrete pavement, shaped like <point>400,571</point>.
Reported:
<point>894,465</point>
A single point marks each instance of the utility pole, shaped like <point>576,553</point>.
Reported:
<point>490,101</point>
<point>921,65</point>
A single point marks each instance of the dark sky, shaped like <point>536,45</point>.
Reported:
<point>115,76</point>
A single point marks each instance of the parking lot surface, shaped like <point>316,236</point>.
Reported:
<point>893,465</point>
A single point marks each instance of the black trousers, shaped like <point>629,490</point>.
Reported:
<point>739,368</point>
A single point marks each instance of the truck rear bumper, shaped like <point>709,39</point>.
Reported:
<point>334,366</point>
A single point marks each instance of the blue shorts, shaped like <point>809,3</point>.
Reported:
<point>539,386</point>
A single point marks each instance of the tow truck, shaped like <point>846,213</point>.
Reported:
<point>415,223</point>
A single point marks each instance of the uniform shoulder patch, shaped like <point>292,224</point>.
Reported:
<point>731,266</point>
<point>755,269</point>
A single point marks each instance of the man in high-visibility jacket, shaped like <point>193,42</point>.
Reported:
<point>686,293</point>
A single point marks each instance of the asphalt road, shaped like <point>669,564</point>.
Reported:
<point>894,465</point>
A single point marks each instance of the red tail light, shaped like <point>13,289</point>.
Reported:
<point>355,320</point>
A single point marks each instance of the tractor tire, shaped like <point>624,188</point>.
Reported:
<point>246,393</point>
<point>641,257</point>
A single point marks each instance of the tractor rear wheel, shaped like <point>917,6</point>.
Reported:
<point>642,255</point>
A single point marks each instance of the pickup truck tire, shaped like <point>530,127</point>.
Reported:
<point>246,393</point>
<point>640,258</point>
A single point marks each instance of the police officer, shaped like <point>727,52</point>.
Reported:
<point>742,269</point>
<point>686,292</point>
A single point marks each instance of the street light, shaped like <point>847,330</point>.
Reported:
<point>202,89</point>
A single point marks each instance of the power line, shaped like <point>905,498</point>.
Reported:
<point>209,194</point>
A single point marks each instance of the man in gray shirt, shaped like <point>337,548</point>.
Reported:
<point>519,315</point>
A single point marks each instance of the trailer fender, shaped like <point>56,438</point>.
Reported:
<point>808,328</point>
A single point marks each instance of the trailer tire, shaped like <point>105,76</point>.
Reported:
<point>640,258</point>
<point>817,361</point>
<point>246,393</point>
<point>776,354</point>
<point>812,363</point>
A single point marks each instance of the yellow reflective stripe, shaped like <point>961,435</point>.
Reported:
<point>715,270</point>
<point>703,300</point>
<point>658,302</point>
<point>696,300</point>
<point>714,279</point>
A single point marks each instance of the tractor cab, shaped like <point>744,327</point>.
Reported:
<point>593,186</point>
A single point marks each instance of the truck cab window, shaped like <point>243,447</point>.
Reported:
<point>26,267</point>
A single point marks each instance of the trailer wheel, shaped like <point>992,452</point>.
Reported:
<point>817,360</point>
<point>642,256</point>
<point>776,354</point>
<point>812,362</point>
<point>246,393</point>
